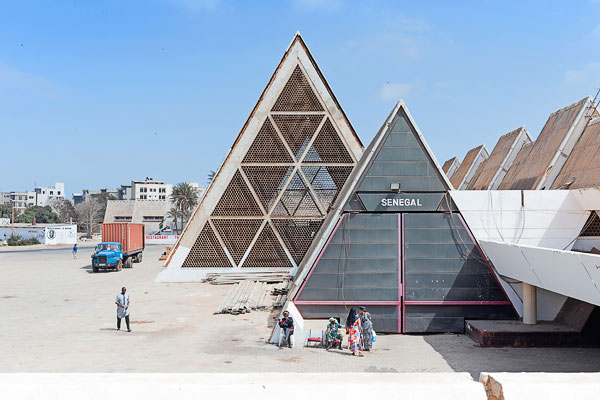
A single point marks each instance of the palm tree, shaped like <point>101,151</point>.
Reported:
<point>174,213</point>
<point>184,198</point>
<point>211,176</point>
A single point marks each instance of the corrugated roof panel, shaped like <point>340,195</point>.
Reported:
<point>516,167</point>
<point>448,164</point>
<point>583,165</point>
<point>528,174</point>
<point>461,172</point>
<point>487,170</point>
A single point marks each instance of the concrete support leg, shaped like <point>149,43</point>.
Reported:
<point>529,304</point>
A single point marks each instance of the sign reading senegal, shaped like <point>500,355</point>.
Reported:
<point>397,202</point>
<point>401,202</point>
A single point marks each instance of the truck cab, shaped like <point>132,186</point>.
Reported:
<point>107,255</point>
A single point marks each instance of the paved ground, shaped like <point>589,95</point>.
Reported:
<point>58,316</point>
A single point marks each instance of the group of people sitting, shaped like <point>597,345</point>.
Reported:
<point>359,329</point>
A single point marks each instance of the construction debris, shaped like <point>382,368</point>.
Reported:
<point>245,296</point>
<point>164,255</point>
<point>281,288</point>
<point>230,278</point>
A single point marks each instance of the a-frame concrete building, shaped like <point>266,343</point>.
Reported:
<point>277,184</point>
<point>396,243</point>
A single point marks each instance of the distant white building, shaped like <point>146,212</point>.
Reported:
<point>199,189</point>
<point>20,200</point>
<point>43,195</point>
<point>149,189</point>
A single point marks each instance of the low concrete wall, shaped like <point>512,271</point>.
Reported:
<point>263,386</point>
<point>540,385</point>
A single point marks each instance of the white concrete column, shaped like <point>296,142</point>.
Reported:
<point>529,304</point>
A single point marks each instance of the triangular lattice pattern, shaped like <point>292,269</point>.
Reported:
<point>267,252</point>
<point>267,182</point>
<point>267,147</point>
<point>592,226</point>
<point>297,130</point>
<point>207,251</point>
<point>297,95</point>
<point>297,234</point>
<point>237,200</point>
<point>328,147</point>
<point>237,234</point>
<point>327,181</point>
<point>297,201</point>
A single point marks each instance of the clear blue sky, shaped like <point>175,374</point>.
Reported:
<point>97,93</point>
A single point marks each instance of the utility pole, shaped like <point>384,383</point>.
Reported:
<point>12,225</point>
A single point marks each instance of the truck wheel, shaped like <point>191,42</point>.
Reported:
<point>94,268</point>
<point>128,263</point>
<point>119,265</point>
<point>138,258</point>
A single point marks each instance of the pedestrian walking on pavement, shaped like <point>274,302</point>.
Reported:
<point>74,251</point>
<point>122,303</point>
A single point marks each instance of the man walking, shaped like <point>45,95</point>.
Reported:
<point>74,251</point>
<point>123,308</point>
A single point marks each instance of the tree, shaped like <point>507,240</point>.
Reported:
<point>174,213</point>
<point>5,210</point>
<point>42,215</point>
<point>211,176</point>
<point>88,214</point>
<point>64,209</point>
<point>102,198</point>
<point>184,199</point>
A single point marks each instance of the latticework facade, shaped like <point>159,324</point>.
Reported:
<point>279,181</point>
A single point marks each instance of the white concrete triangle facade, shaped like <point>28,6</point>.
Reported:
<point>297,58</point>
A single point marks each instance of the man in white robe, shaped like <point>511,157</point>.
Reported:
<point>122,303</point>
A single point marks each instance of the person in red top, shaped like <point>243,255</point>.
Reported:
<point>287,324</point>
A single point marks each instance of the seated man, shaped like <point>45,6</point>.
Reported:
<point>333,335</point>
<point>287,324</point>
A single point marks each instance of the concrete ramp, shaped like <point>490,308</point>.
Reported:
<point>568,273</point>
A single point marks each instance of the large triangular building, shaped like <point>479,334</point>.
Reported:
<point>397,244</point>
<point>279,181</point>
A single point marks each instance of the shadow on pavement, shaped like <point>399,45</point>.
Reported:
<point>464,355</point>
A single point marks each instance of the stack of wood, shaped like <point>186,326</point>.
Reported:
<point>281,288</point>
<point>245,296</point>
<point>230,278</point>
<point>281,291</point>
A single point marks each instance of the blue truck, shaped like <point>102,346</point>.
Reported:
<point>122,245</point>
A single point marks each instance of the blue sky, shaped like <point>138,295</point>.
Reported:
<point>97,93</point>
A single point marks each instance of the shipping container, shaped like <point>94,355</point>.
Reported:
<point>131,236</point>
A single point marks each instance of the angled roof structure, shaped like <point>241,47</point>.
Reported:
<point>396,243</point>
<point>538,168</point>
<point>278,182</point>
<point>582,168</point>
<point>490,172</point>
<point>450,166</point>
<point>473,159</point>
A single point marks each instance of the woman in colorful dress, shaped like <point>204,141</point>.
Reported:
<point>354,327</point>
